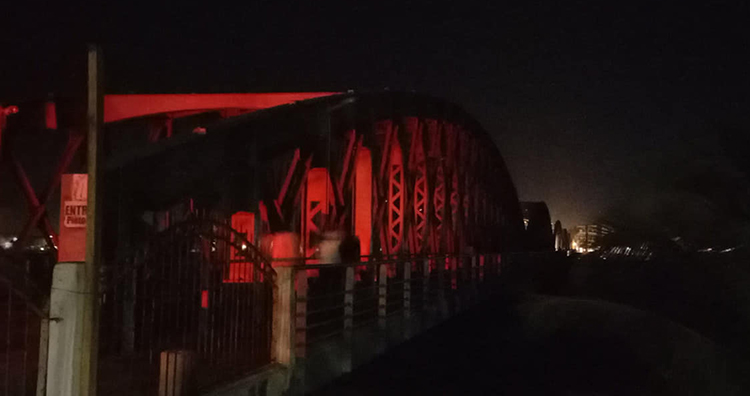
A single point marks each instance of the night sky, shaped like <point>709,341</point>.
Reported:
<point>588,102</point>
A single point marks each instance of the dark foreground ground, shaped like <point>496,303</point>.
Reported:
<point>656,334</point>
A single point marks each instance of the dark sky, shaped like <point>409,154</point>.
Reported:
<point>585,100</point>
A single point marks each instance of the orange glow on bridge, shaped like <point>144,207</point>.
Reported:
<point>363,200</point>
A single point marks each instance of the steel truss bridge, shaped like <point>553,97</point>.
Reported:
<point>407,173</point>
<point>415,178</point>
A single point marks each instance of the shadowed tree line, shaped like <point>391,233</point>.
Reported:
<point>699,203</point>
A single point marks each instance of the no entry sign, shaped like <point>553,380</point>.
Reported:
<point>72,241</point>
<point>74,214</point>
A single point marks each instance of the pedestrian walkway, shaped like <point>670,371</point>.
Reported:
<point>547,346</point>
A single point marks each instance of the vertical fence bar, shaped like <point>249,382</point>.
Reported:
<point>442,303</point>
<point>25,374</point>
<point>407,290</point>
<point>474,281</point>
<point>382,294</point>
<point>455,295</point>
<point>348,317</point>
<point>41,381</point>
<point>481,268</point>
<point>425,284</point>
<point>300,336</point>
<point>454,273</point>
<point>473,268</point>
<point>8,322</point>
<point>348,303</point>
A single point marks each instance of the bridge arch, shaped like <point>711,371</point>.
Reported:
<point>438,181</point>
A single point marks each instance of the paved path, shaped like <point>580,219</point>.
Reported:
<point>550,346</point>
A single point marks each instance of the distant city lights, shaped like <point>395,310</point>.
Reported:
<point>36,244</point>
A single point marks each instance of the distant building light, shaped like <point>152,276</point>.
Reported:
<point>14,239</point>
<point>7,245</point>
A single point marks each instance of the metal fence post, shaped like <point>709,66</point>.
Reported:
<point>454,273</point>
<point>382,294</point>
<point>300,303</point>
<point>442,303</point>
<point>456,297</point>
<point>348,317</point>
<point>425,284</point>
<point>41,381</point>
<point>407,289</point>
<point>473,268</point>
<point>474,278</point>
<point>300,330</point>
<point>481,268</point>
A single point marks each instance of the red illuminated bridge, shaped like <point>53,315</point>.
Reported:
<point>405,173</point>
<point>220,214</point>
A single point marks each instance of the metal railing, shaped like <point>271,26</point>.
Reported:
<point>24,313</point>
<point>196,301</point>
<point>332,300</point>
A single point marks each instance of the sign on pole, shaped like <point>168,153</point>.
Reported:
<point>73,218</point>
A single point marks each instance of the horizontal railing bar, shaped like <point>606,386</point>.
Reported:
<point>364,311</point>
<point>325,322</point>
<point>300,263</point>
<point>316,297</point>
<point>326,309</point>
<point>325,336</point>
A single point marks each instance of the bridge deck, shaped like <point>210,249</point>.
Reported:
<point>544,345</point>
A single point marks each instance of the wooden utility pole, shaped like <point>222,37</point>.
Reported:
<point>94,117</point>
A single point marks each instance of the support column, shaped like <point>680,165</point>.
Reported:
<point>66,336</point>
<point>74,299</point>
<point>282,337</point>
